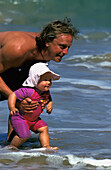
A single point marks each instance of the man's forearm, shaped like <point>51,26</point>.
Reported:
<point>4,89</point>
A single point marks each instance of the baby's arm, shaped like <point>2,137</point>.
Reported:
<point>49,107</point>
<point>11,103</point>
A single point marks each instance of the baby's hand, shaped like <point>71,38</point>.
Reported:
<point>43,104</point>
<point>13,110</point>
<point>49,107</point>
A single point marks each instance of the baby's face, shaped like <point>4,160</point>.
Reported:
<point>45,82</point>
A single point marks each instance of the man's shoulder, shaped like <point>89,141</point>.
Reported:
<point>15,35</point>
<point>17,38</point>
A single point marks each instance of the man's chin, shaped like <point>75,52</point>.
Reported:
<point>58,60</point>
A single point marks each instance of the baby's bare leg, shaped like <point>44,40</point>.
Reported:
<point>17,142</point>
<point>44,138</point>
<point>10,129</point>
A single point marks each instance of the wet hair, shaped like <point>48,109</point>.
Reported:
<point>54,28</point>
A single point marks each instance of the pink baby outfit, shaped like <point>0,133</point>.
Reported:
<point>22,123</point>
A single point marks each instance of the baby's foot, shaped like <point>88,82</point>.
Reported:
<point>51,148</point>
<point>10,147</point>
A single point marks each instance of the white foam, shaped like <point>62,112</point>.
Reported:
<point>105,64</point>
<point>18,155</point>
<point>107,38</point>
<point>57,158</point>
<point>89,66</point>
<point>1,165</point>
<point>83,57</point>
<point>73,160</point>
<point>80,129</point>
<point>37,150</point>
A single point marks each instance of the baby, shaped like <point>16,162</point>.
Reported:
<point>36,87</point>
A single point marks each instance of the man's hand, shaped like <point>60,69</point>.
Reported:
<point>27,105</point>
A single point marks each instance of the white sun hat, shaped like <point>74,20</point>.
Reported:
<point>36,71</point>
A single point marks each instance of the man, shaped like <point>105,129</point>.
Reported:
<point>19,50</point>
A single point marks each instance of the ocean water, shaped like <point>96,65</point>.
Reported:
<point>80,124</point>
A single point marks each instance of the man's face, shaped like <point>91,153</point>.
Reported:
<point>59,47</point>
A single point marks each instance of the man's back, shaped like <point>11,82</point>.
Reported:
<point>15,48</point>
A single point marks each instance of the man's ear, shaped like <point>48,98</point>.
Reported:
<point>47,44</point>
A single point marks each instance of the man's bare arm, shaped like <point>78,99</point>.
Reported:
<point>14,51</point>
<point>4,89</point>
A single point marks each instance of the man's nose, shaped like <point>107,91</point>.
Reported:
<point>65,51</point>
<point>49,82</point>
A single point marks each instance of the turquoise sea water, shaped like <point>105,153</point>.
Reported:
<point>84,13</point>
<point>80,124</point>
